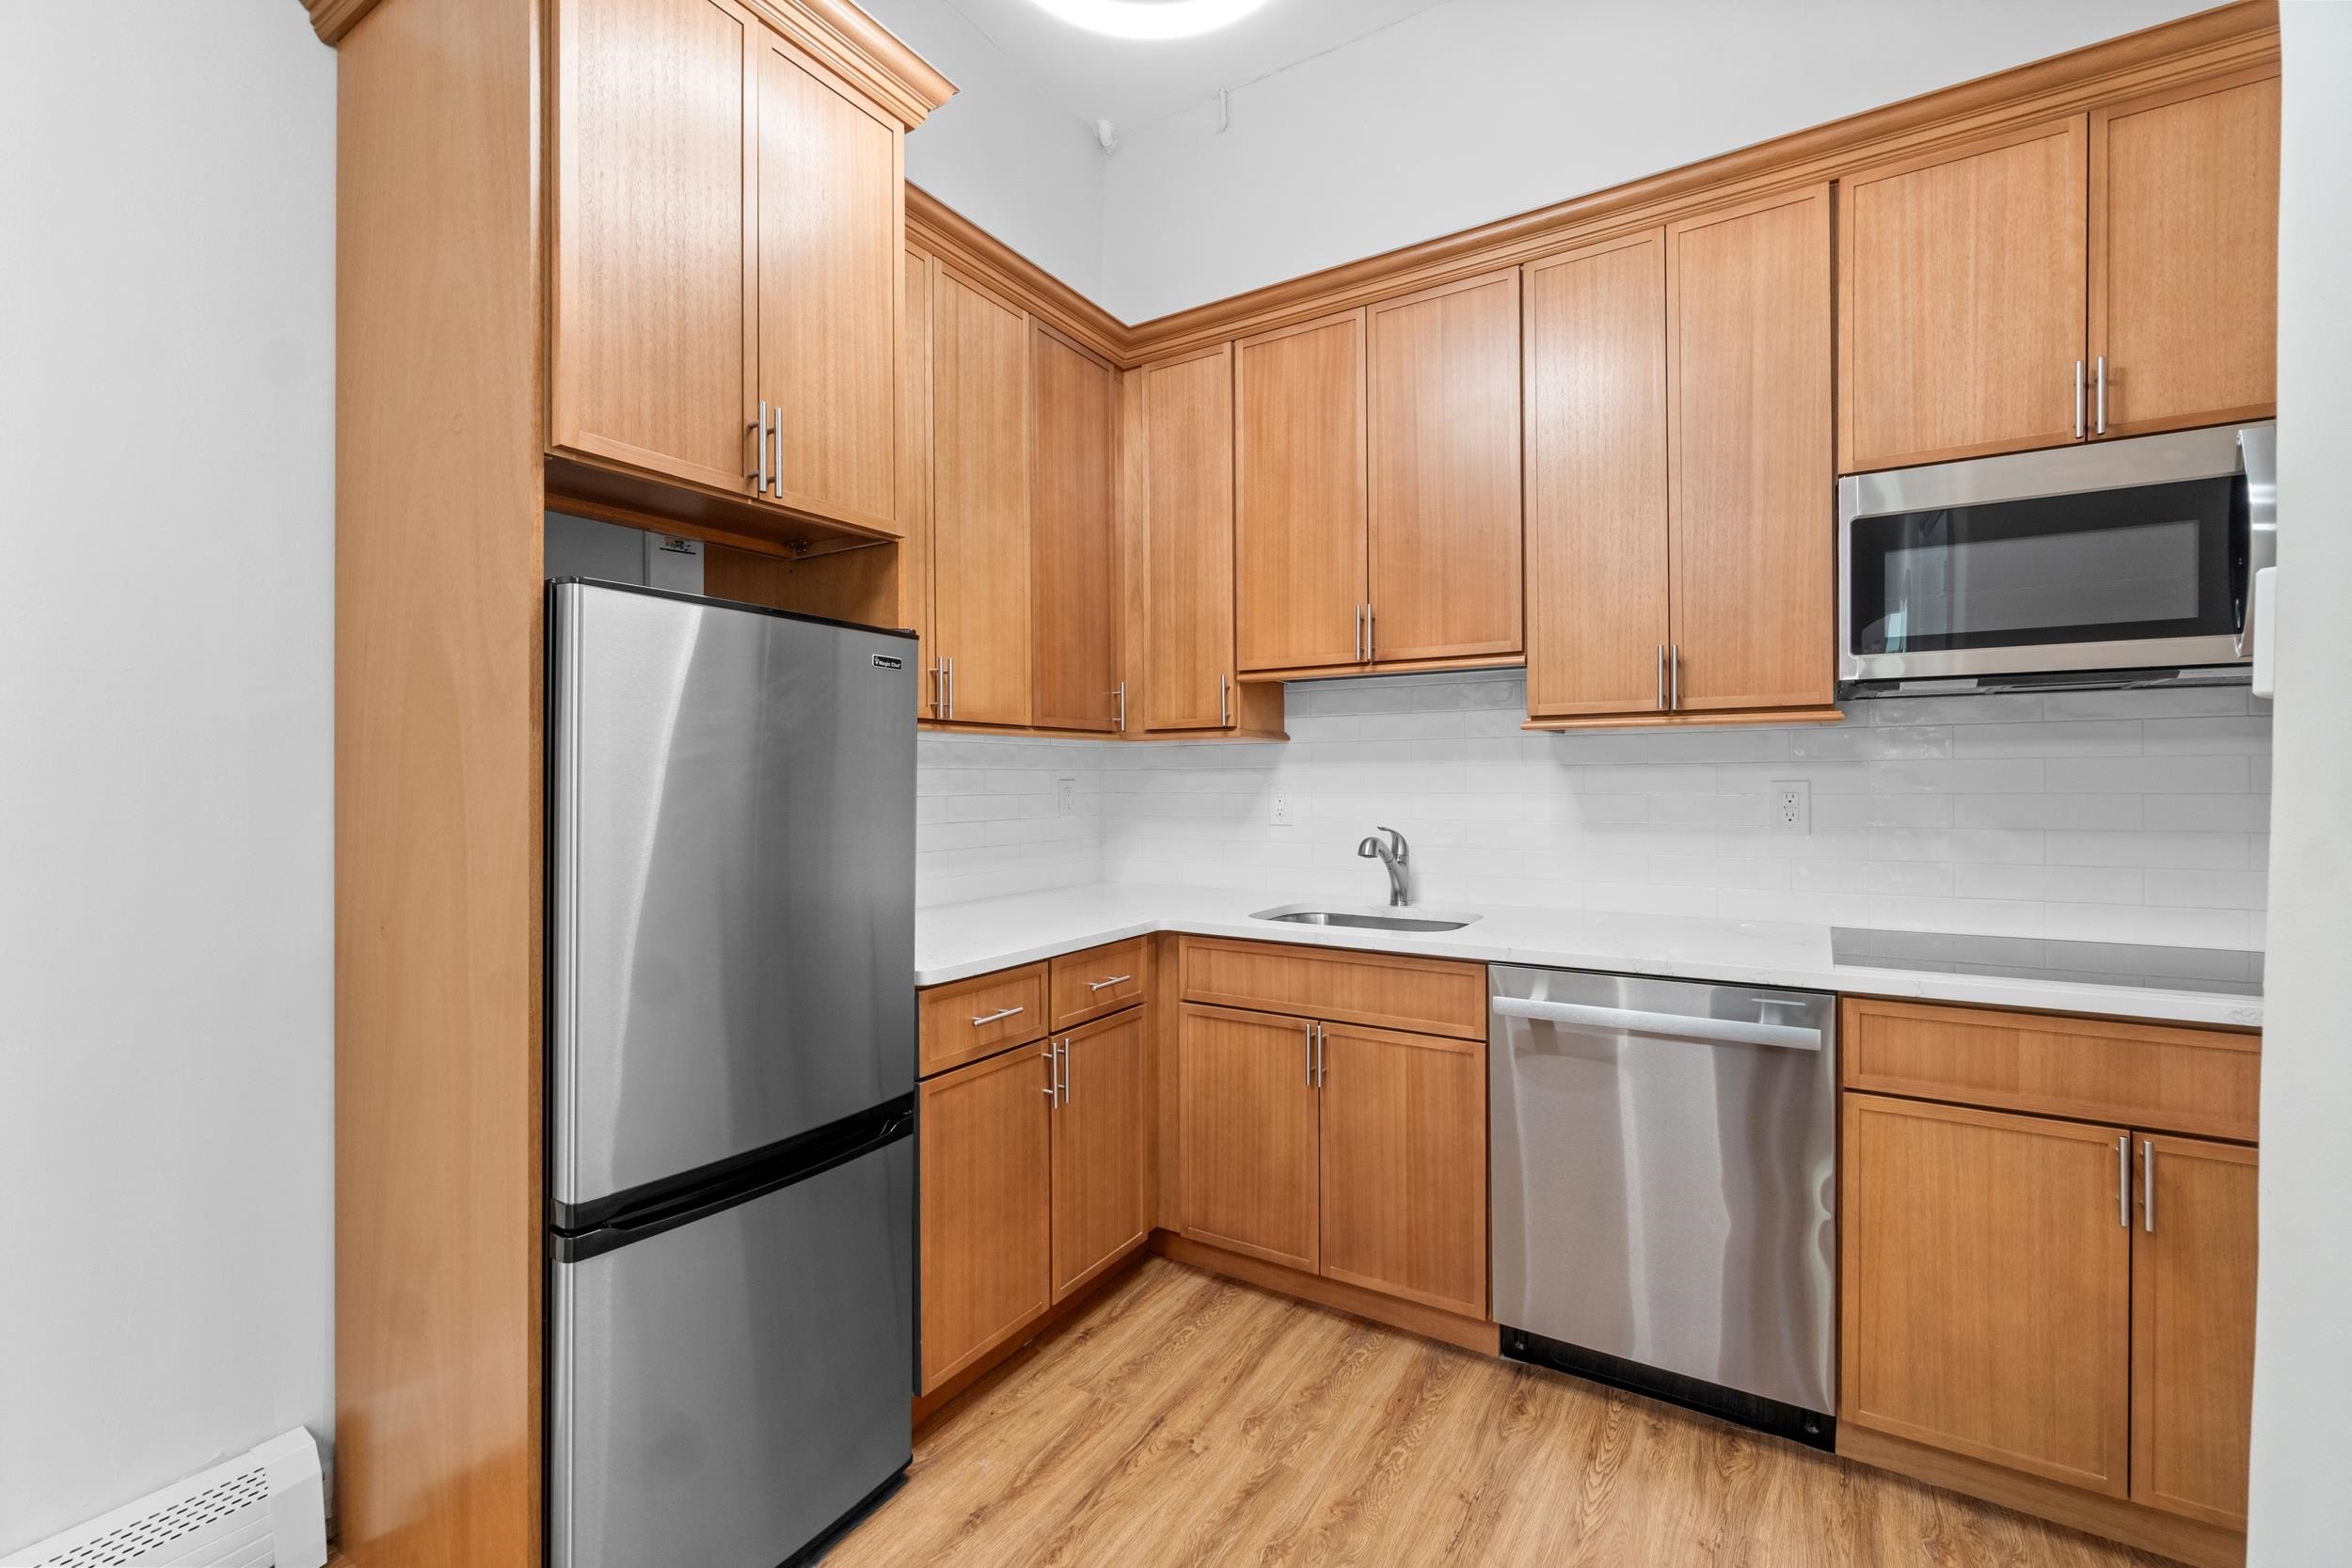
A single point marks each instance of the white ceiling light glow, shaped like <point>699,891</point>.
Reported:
<point>1150,19</point>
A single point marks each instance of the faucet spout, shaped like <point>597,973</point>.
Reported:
<point>1393,856</point>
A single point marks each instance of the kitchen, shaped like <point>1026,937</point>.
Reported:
<point>1649,816</point>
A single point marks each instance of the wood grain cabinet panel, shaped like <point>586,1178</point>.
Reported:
<point>1987,1287</point>
<point>1188,544</point>
<point>1961,299</point>
<point>985,1135</point>
<point>1249,1118</point>
<point>1299,536</point>
<point>914,474</point>
<point>981,602</point>
<point>1404,1145</point>
<point>1436,996</point>
<point>1443,456</point>
<point>2193,1328</point>
<point>1102,1197</point>
<point>831,233</point>
<point>651,353</point>
<point>1100,980</point>
<point>966,1020</point>
<point>1073,547</point>
<point>1597,529</point>
<point>2184,255</point>
<point>1749,462</point>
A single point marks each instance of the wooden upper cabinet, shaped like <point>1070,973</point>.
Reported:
<point>987,1158</point>
<point>914,473</point>
<point>1961,300</point>
<point>980,605</point>
<point>1073,535</point>
<point>1404,1165</point>
<point>651,351</point>
<point>1102,1195</point>
<point>1299,536</point>
<point>1249,1119</point>
<point>1750,479</point>
<point>1186,549</point>
<point>2184,255</point>
<point>2193,1328</point>
<point>1444,465</point>
<point>1596,559</point>
<point>831,242</point>
<point>1987,1284</point>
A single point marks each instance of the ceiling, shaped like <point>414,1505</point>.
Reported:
<point>1131,83</point>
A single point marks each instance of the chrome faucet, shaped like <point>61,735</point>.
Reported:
<point>1392,855</point>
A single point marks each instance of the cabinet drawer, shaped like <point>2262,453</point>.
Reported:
<point>1430,996</point>
<point>2149,1075</point>
<point>971,1018</point>
<point>1101,980</point>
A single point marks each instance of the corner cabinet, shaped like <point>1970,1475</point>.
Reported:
<point>727,228</point>
<point>1679,460</point>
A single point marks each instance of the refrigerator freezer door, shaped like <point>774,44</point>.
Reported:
<point>731,814</point>
<point>727,1391</point>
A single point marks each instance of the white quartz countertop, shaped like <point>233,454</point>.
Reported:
<point>955,941</point>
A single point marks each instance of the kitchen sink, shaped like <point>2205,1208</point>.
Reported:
<point>1368,919</point>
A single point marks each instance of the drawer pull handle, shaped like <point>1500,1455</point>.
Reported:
<point>1106,985</point>
<point>998,1015</point>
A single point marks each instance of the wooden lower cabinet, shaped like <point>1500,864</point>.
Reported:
<point>1250,1120</point>
<point>2193,1328</point>
<point>986,1140</point>
<point>1102,1198</point>
<point>1404,1165</point>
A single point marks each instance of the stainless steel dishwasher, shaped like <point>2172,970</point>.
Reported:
<point>1664,1165</point>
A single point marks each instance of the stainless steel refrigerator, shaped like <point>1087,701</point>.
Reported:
<point>731,1182</point>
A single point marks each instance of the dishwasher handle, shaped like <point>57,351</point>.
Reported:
<point>1725,1031</point>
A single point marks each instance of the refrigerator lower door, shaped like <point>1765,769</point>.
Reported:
<point>726,1392</point>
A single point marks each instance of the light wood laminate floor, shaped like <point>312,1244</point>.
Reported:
<point>1184,1419</point>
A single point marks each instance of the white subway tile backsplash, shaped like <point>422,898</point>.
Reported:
<point>2123,816</point>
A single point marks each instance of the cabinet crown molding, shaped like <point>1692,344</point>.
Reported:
<point>845,39</point>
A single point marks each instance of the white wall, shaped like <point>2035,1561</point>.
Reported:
<point>1482,108</point>
<point>1000,152</point>
<point>2134,816</point>
<point>167,383</point>
<point>2303,1338</point>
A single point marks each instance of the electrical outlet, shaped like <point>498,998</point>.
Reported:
<point>1792,806</point>
<point>1279,813</point>
<point>1065,797</point>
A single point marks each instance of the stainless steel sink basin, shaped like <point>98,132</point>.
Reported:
<point>1368,919</point>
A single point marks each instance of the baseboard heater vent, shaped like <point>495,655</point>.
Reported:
<point>264,1509</point>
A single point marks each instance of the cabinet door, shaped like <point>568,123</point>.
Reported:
<point>1299,479</point>
<point>2193,1328</point>
<point>914,475</point>
<point>1597,603</point>
<point>1962,278</point>
<point>651,359</point>
<point>981,501</point>
<point>832,232</point>
<point>2184,255</point>
<point>1073,536</point>
<point>1750,486</point>
<point>1101,1148</point>
<point>987,1143</point>
<point>1188,543</point>
<point>1444,453</point>
<point>1404,1165</point>
<point>1987,1280</point>
<point>1248,1118</point>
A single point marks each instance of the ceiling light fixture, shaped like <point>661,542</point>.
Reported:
<point>1150,19</point>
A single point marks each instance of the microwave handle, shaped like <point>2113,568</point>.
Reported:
<point>2258,460</point>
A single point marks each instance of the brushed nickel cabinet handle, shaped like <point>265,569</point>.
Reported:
<point>2100,426</point>
<point>1307,1032</point>
<point>998,1017</point>
<point>951,687</point>
<point>1053,1073</point>
<point>2123,1181</point>
<point>2078,400</point>
<point>2148,1185</point>
<point>1122,695</point>
<point>1318,1056</point>
<point>1106,985</point>
<point>1065,1070</point>
<point>1673,676</point>
<point>775,470</point>
<point>759,441</point>
<point>1225,699</point>
<point>1371,643</point>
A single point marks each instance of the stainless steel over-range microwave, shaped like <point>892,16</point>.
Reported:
<point>2117,562</point>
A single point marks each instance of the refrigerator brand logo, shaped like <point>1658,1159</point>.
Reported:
<point>889,661</point>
